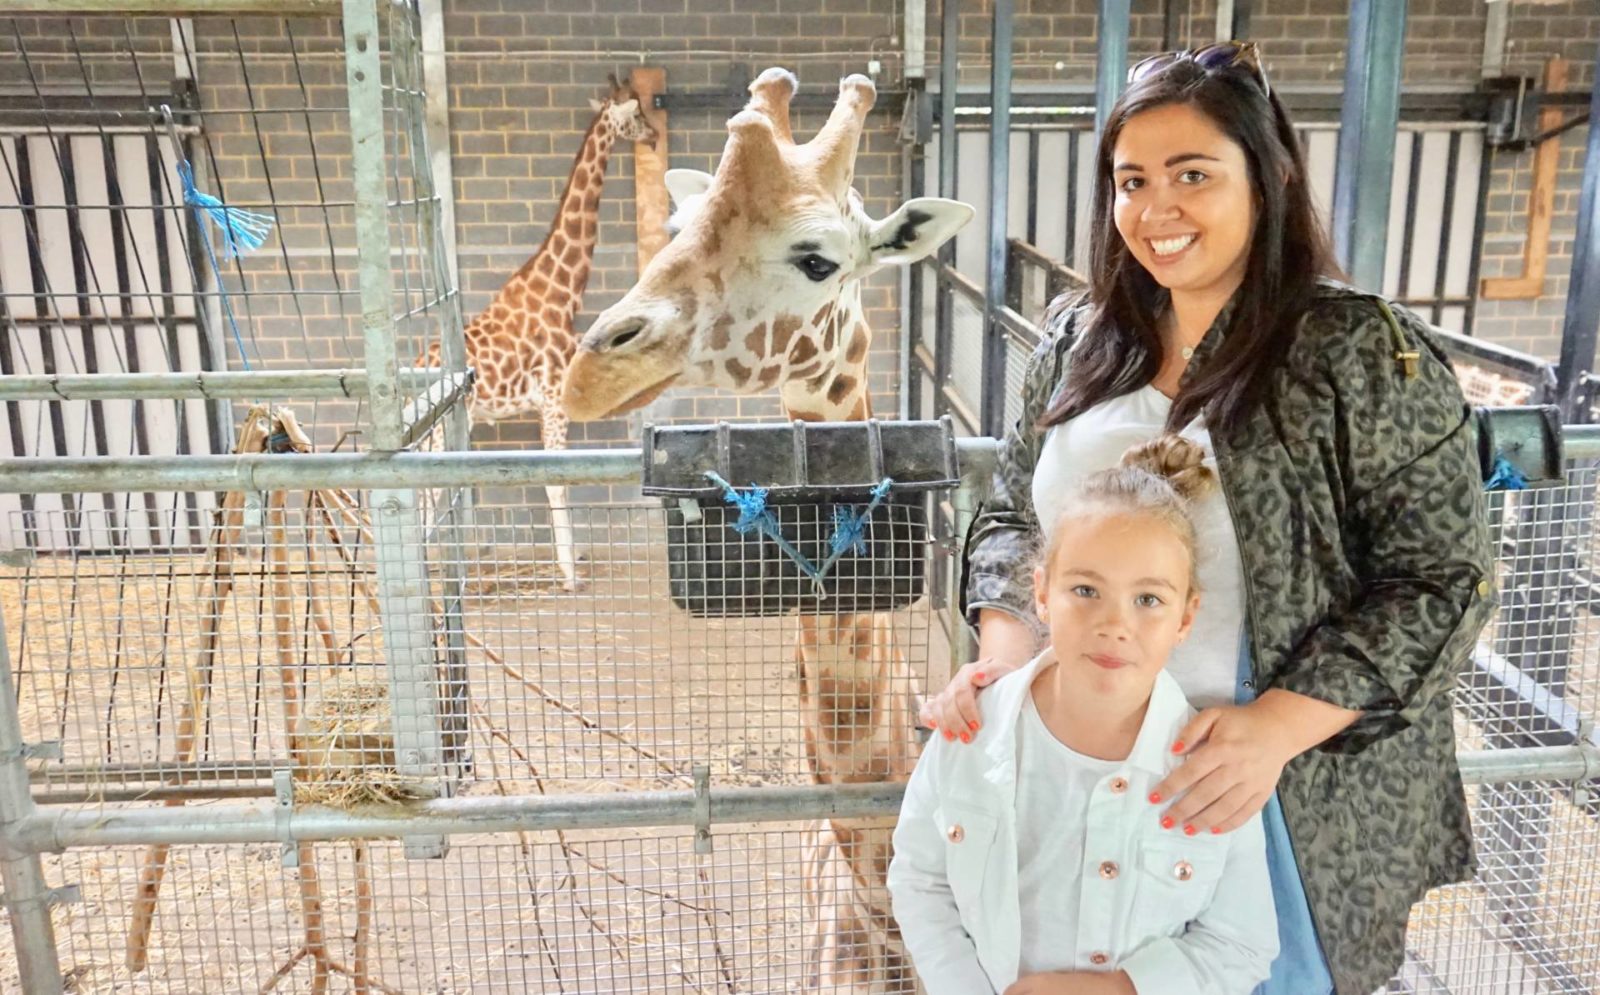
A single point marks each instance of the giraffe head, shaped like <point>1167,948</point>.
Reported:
<point>760,284</point>
<point>624,115</point>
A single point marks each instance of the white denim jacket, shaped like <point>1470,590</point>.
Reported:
<point>1181,914</point>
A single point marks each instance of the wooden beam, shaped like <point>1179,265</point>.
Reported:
<point>650,203</point>
<point>1541,201</point>
<point>176,8</point>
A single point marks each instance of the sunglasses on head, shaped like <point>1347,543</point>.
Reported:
<point>1213,58</point>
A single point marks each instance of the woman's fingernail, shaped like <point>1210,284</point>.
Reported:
<point>1155,798</point>
<point>1177,747</point>
<point>966,737</point>
<point>977,675</point>
<point>1189,830</point>
<point>1215,831</point>
<point>1166,822</point>
<point>949,735</point>
<point>972,726</point>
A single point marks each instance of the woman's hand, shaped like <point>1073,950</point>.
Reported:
<point>954,711</point>
<point>1235,756</point>
<point>1073,983</point>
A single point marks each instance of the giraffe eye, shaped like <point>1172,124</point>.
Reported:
<point>816,268</point>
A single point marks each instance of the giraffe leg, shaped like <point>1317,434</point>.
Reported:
<point>554,428</point>
<point>855,693</point>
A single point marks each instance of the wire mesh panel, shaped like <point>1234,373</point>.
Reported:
<point>179,671</point>
<point>137,157</point>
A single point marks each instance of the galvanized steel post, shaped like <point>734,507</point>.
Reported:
<point>1111,66</point>
<point>992,404</point>
<point>1582,321</point>
<point>412,670</point>
<point>26,898</point>
<point>1367,130</point>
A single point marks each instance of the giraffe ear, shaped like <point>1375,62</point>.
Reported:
<point>914,231</point>
<point>595,105</point>
<point>683,184</point>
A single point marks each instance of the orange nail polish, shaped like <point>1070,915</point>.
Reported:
<point>1215,831</point>
<point>949,735</point>
<point>1155,798</point>
<point>1177,747</point>
<point>977,675</point>
<point>973,726</point>
<point>1189,830</point>
<point>1166,822</point>
<point>966,737</point>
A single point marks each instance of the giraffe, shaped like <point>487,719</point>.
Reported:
<point>760,287</point>
<point>519,346</point>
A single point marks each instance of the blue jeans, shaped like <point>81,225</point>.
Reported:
<point>1300,968</point>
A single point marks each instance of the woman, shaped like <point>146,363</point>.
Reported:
<point>1346,559</point>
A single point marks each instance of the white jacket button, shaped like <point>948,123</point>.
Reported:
<point>1118,785</point>
<point>1183,870</point>
<point>955,833</point>
<point>1108,869</point>
<point>1098,959</point>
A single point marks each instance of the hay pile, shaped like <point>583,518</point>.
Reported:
<point>348,750</point>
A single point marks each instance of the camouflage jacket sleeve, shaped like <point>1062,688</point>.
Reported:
<point>1413,519</point>
<point>997,563</point>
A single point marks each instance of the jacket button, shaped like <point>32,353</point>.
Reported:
<point>1118,785</point>
<point>955,833</point>
<point>1097,958</point>
<point>1108,869</point>
<point>1183,870</point>
<point>1483,589</point>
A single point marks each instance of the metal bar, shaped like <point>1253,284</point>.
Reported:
<point>1475,243</point>
<point>26,898</point>
<point>1225,20</point>
<point>915,35</point>
<point>439,402</point>
<point>1496,21</point>
<point>1408,227</point>
<point>1368,125</point>
<point>174,8</point>
<point>916,172</point>
<point>992,399</point>
<point>1034,256</point>
<point>1111,67</point>
<point>445,816</point>
<point>261,472</point>
<point>1173,12</point>
<point>1579,328</point>
<point>1441,271</point>
<point>944,306</point>
<point>364,78</point>
<point>233,385</point>
<point>241,823</point>
<point>1580,442</point>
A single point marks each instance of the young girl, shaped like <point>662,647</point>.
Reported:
<point>1029,863</point>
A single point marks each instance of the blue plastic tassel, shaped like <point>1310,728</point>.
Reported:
<point>242,231</point>
<point>754,515</point>
<point>1505,477</point>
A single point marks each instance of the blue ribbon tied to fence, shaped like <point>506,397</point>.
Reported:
<point>849,525</point>
<point>1505,476</point>
<point>241,231</point>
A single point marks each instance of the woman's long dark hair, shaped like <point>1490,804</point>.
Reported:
<point>1288,254</point>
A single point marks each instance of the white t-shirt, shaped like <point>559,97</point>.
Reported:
<point>1206,664</point>
<point>1054,785</point>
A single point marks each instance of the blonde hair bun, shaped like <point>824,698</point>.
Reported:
<point>1178,461</point>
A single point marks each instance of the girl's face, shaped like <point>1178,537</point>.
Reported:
<point>1184,203</point>
<point>1116,598</point>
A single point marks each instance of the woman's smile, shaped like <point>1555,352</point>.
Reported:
<point>1169,248</point>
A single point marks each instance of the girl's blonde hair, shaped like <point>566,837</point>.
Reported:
<point>1160,478</point>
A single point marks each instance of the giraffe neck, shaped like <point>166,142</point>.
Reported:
<point>570,243</point>
<point>838,391</point>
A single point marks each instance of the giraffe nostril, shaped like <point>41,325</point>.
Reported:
<point>623,334</point>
